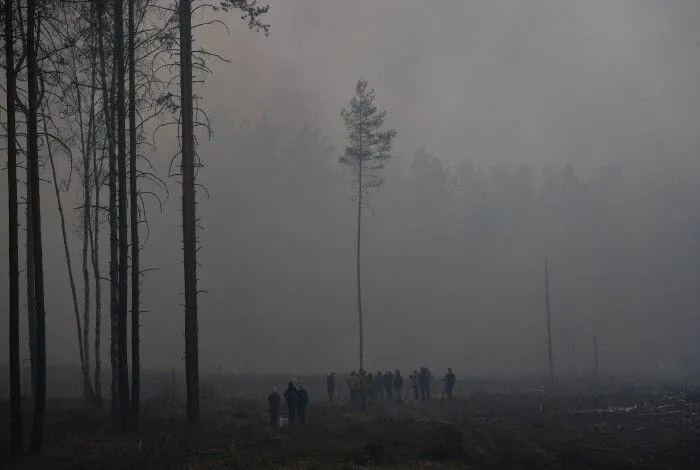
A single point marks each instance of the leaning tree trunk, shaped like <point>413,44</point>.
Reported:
<point>13,246</point>
<point>87,384</point>
<point>33,163</point>
<point>124,408</point>
<point>135,290</point>
<point>88,254</point>
<point>188,212</point>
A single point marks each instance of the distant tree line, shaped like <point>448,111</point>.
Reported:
<point>458,247</point>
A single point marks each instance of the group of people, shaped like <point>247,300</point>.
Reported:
<point>364,388</point>
<point>296,399</point>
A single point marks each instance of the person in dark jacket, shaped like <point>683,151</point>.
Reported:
<point>330,386</point>
<point>424,379</point>
<point>290,396</point>
<point>413,381</point>
<point>450,381</point>
<point>302,404</point>
<point>398,385</point>
<point>389,385</point>
<point>379,386</point>
<point>273,401</point>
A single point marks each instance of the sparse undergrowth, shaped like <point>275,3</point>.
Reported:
<point>486,431</point>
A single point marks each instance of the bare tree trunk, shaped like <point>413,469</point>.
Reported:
<point>13,246</point>
<point>188,213</point>
<point>549,321</point>
<point>359,288</point>
<point>113,223</point>
<point>124,408</point>
<point>135,289</point>
<point>33,162</point>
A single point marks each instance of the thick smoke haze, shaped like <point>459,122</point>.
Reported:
<point>565,129</point>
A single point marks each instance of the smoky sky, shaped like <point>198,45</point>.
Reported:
<point>536,83</point>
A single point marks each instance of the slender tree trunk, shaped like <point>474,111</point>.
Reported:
<point>359,288</point>
<point>135,289</point>
<point>188,213</point>
<point>94,225</point>
<point>33,161</point>
<point>31,298</point>
<point>549,321</point>
<point>124,408</point>
<point>87,210</point>
<point>113,222</point>
<point>13,247</point>
<point>95,249</point>
<point>87,385</point>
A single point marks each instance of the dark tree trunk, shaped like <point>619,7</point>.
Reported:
<point>113,223</point>
<point>188,213</point>
<point>13,221</point>
<point>31,298</point>
<point>124,408</point>
<point>33,162</point>
<point>135,289</point>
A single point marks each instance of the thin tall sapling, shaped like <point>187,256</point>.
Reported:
<point>369,148</point>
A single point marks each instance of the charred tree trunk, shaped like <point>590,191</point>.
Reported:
<point>135,289</point>
<point>124,408</point>
<point>33,163</point>
<point>188,212</point>
<point>13,238</point>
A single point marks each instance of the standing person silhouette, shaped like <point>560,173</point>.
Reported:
<point>290,397</point>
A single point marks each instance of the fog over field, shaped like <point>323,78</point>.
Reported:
<point>546,128</point>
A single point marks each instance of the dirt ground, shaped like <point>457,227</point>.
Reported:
<point>485,430</point>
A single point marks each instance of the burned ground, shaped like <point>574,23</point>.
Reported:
<point>617,430</point>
